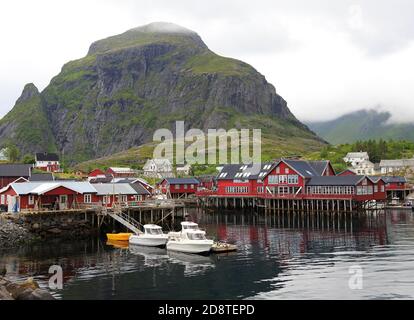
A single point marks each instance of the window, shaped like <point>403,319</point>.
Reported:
<point>278,170</point>
<point>375,188</point>
<point>286,170</point>
<point>382,188</point>
<point>192,186</point>
<point>293,179</point>
<point>106,200</point>
<point>124,198</point>
<point>87,198</point>
<point>260,189</point>
<point>273,179</point>
<point>2,199</point>
<point>283,179</point>
<point>31,200</point>
<point>176,186</point>
<point>185,187</point>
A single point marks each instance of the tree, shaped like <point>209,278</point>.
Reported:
<point>12,153</point>
<point>28,159</point>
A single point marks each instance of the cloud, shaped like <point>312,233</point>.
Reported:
<point>324,57</point>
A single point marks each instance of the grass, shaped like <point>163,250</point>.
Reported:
<point>210,62</point>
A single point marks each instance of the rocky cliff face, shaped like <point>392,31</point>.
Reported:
<point>134,83</point>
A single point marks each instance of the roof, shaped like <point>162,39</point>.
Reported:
<point>41,177</point>
<point>397,163</point>
<point>121,170</point>
<point>304,168</point>
<point>245,171</point>
<point>114,188</point>
<point>44,156</point>
<point>133,181</point>
<point>105,179</point>
<point>182,180</point>
<point>39,188</point>
<point>394,179</point>
<point>346,171</point>
<point>357,155</point>
<point>319,166</point>
<point>15,170</point>
<point>139,188</point>
<point>335,180</point>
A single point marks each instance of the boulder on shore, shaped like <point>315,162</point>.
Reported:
<point>28,290</point>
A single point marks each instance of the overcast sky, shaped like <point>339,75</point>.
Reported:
<point>324,57</point>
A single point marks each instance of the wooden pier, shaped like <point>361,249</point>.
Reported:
<point>290,204</point>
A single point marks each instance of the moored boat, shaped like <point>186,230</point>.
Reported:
<point>118,236</point>
<point>189,240</point>
<point>152,237</point>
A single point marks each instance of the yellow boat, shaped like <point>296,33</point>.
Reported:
<point>118,236</point>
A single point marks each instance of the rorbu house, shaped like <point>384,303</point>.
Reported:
<point>57,195</point>
<point>179,187</point>
<point>119,193</point>
<point>295,180</point>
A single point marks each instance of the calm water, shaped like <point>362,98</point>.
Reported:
<point>279,257</point>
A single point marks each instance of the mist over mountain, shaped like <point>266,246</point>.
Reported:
<point>362,125</point>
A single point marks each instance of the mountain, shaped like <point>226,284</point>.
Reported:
<point>131,84</point>
<point>362,125</point>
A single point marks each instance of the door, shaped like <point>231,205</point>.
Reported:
<point>63,202</point>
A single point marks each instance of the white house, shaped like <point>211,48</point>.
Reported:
<point>389,166</point>
<point>365,167</point>
<point>183,169</point>
<point>356,157</point>
<point>158,168</point>
<point>47,162</point>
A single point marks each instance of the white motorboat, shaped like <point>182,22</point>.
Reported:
<point>152,237</point>
<point>189,240</point>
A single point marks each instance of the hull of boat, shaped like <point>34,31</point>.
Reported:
<point>143,240</point>
<point>118,236</point>
<point>190,246</point>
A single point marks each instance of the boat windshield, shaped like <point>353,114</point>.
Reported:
<point>154,231</point>
<point>196,236</point>
<point>192,227</point>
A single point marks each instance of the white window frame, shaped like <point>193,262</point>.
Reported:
<point>31,200</point>
<point>87,198</point>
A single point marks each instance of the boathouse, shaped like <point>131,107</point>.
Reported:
<point>396,187</point>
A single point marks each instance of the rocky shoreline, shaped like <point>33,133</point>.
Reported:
<point>28,290</point>
<point>12,234</point>
<point>22,229</point>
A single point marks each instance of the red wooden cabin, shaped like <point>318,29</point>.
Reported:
<point>179,187</point>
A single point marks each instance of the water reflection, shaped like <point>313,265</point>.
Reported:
<point>296,256</point>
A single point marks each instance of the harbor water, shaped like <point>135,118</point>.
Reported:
<point>280,256</point>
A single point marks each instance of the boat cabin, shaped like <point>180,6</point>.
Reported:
<point>152,229</point>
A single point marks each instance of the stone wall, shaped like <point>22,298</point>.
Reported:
<point>18,228</point>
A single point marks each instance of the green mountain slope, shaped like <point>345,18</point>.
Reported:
<point>362,125</point>
<point>129,85</point>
